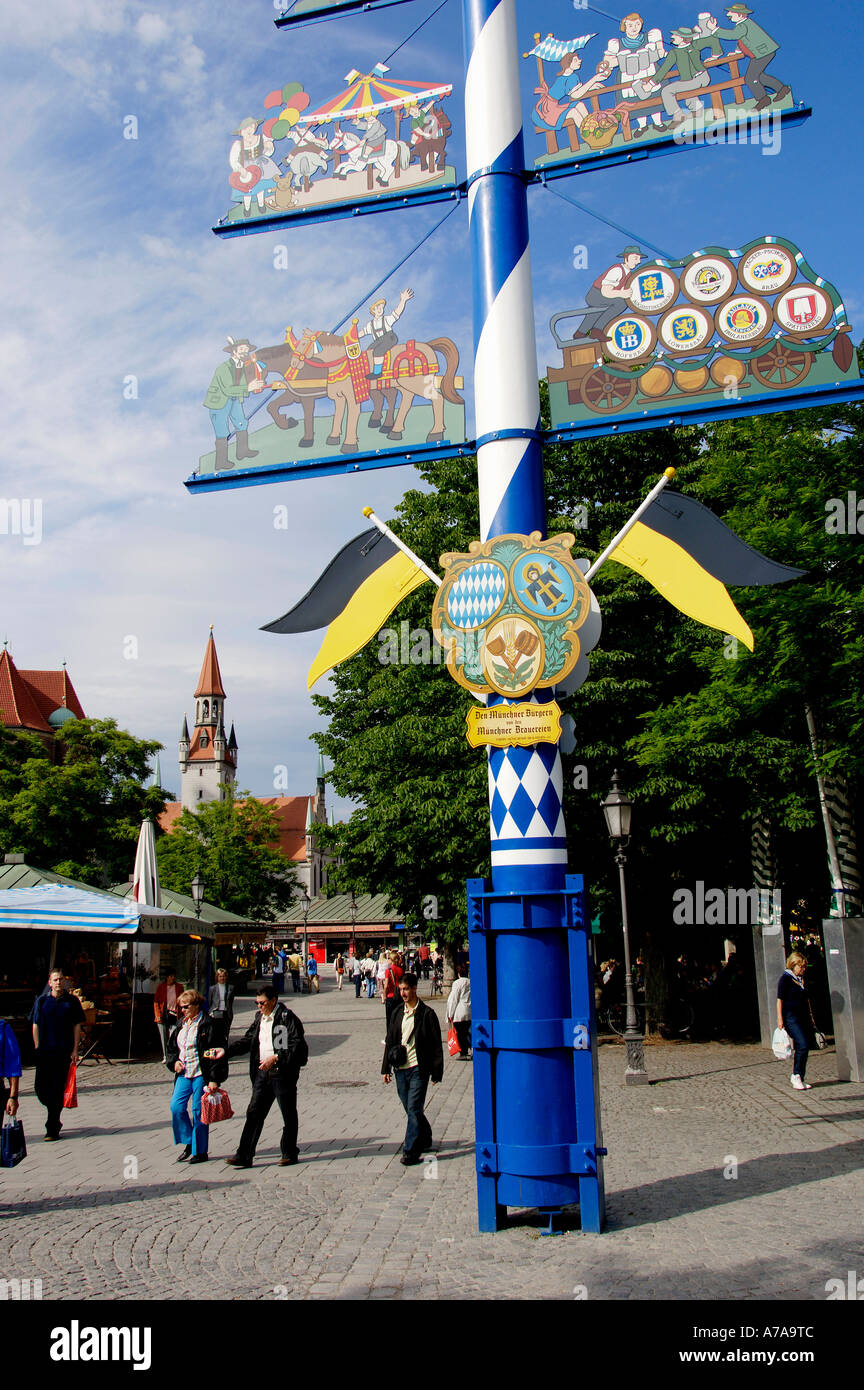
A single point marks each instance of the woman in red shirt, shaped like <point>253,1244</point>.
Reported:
<point>392,997</point>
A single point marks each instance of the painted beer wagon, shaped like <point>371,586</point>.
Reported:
<point>719,323</point>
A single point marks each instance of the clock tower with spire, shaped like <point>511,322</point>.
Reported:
<point>208,760</point>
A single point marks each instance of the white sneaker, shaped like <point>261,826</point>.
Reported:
<point>799,1084</point>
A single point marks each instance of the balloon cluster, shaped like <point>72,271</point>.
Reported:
<point>292,99</point>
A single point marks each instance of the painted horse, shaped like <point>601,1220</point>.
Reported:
<point>332,365</point>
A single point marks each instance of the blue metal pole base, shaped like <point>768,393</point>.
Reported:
<point>534,1035</point>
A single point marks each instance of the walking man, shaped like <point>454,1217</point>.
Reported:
<point>220,1004</point>
<point>58,1020</point>
<point>295,965</point>
<point>414,1052</point>
<point>312,972</point>
<point>277,1050</point>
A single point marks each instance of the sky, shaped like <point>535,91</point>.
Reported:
<point>118,299</point>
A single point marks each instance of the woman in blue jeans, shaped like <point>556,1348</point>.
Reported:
<point>795,1014</point>
<point>186,1056</point>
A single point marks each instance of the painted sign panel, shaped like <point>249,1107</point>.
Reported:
<point>304,10</point>
<point>601,92</point>
<point>329,395</point>
<point>725,326</point>
<point>376,137</point>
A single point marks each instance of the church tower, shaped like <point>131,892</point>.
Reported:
<point>207,758</point>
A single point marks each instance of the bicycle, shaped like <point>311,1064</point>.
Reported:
<point>679,1012</point>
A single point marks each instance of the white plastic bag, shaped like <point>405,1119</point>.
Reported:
<point>781,1045</point>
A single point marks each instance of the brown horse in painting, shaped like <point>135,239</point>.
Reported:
<point>323,364</point>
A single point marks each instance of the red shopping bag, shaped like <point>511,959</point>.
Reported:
<point>70,1095</point>
<point>453,1045</point>
<point>215,1106</point>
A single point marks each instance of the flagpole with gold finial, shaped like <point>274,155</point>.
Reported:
<point>628,525</point>
<point>385,531</point>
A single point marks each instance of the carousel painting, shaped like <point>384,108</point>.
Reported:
<point>722,326</point>
<point>377,136</point>
<point>321,395</point>
<point>703,82</point>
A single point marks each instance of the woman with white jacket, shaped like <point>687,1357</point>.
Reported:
<point>459,1010</point>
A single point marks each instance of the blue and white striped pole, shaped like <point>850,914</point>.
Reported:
<point>531,977</point>
<point>525,786</point>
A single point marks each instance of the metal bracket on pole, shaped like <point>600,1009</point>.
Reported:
<point>528,1153</point>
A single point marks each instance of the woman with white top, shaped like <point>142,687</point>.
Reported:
<point>459,1010</point>
<point>188,1043</point>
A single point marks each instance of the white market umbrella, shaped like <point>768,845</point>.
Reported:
<point>145,890</point>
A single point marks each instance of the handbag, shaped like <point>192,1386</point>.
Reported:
<point>781,1045</point>
<point>13,1146</point>
<point>70,1095</point>
<point>215,1106</point>
<point>820,1041</point>
<point>453,1045</point>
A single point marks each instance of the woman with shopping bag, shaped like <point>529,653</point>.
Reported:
<point>459,1012</point>
<point>13,1147</point>
<point>795,1015</point>
<point>195,1072</point>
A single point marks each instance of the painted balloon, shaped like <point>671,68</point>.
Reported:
<point>268,127</point>
<point>289,91</point>
<point>274,99</point>
<point>300,101</point>
<point>280,129</point>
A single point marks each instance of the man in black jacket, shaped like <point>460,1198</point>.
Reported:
<point>413,1051</point>
<point>277,1050</point>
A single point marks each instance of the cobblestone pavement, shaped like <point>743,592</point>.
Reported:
<point>722,1183</point>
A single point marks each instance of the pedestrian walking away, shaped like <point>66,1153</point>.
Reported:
<point>355,968</point>
<point>392,977</point>
<point>312,973</point>
<point>279,962</point>
<point>58,1020</point>
<point>339,966</point>
<point>370,972</point>
<point>295,965</point>
<point>166,1008</point>
<point>190,1056</point>
<point>459,1010</point>
<point>795,1014</point>
<point>414,1053</point>
<point>220,1002</point>
<point>277,1050</point>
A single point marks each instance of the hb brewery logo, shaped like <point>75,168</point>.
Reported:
<point>508,613</point>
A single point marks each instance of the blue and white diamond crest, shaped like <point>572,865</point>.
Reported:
<point>477,594</point>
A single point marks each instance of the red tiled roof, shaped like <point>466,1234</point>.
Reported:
<point>52,689</point>
<point>291,811</point>
<point>27,698</point>
<point>210,681</point>
<point>199,754</point>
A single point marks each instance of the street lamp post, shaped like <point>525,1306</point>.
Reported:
<point>618,808</point>
<point>307,903</point>
<point>198,893</point>
<point>353,911</point>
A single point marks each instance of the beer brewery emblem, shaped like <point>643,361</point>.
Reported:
<point>708,279</point>
<point>743,319</point>
<point>654,290</point>
<point>508,613</point>
<point>685,329</point>
<point>767,269</point>
<point>629,338</point>
<point>804,309</point>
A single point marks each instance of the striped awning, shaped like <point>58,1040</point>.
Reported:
<point>57,908</point>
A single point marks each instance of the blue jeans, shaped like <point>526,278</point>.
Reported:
<point>801,1041</point>
<point>193,1133</point>
<point>370,987</point>
<point>412,1088</point>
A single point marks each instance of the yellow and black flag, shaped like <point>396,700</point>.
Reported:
<point>354,596</point>
<point>689,555</point>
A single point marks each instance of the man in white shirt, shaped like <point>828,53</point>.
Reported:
<point>277,1050</point>
<point>380,329</point>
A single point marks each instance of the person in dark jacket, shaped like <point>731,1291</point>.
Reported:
<point>189,1054</point>
<point>795,1014</point>
<point>58,1020</point>
<point>277,1050</point>
<point>413,1051</point>
<point>220,1001</point>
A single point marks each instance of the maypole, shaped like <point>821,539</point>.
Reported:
<point>534,1032</point>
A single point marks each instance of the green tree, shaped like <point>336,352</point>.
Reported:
<point>232,844</point>
<point>81,813</point>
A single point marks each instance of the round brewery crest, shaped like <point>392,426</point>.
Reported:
<point>508,613</point>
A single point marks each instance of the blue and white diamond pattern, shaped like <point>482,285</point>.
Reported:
<point>476,595</point>
<point>525,795</point>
